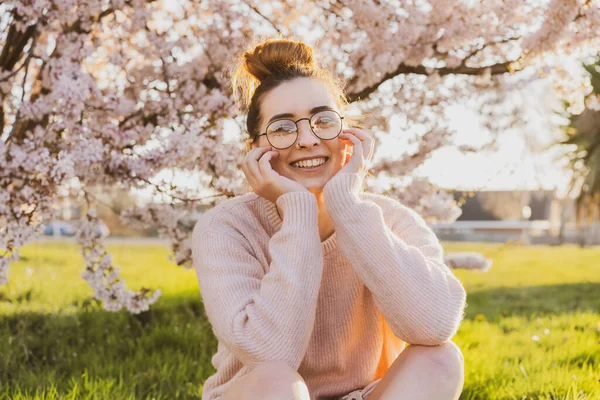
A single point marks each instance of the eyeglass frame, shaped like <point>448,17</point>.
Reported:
<point>298,128</point>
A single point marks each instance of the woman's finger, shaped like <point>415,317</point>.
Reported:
<point>248,173</point>
<point>251,162</point>
<point>357,144</point>
<point>368,143</point>
<point>371,148</point>
<point>264,165</point>
<point>361,134</point>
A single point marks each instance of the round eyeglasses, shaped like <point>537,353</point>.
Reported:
<point>283,133</point>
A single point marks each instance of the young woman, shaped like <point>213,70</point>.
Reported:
<point>312,286</point>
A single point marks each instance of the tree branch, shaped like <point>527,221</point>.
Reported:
<point>16,124</point>
<point>495,69</point>
<point>264,17</point>
<point>14,45</point>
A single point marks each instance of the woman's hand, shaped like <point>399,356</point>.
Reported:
<point>363,147</point>
<point>264,180</point>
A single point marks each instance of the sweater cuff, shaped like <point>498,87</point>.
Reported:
<point>341,192</point>
<point>299,206</point>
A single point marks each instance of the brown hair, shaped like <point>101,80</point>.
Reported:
<point>265,65</point>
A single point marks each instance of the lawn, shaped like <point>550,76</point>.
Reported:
<point>532,328</point>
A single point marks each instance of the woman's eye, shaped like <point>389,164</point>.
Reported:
<point>323,122</point>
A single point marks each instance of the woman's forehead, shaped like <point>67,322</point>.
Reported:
<point>298,97</point>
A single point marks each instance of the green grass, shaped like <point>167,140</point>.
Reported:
<point>57,343</point>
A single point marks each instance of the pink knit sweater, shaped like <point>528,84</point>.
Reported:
<point>337,311</point>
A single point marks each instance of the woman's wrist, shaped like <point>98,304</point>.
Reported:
<point>298,205</point>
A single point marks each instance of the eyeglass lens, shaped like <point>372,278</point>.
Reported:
<point>283,133</point>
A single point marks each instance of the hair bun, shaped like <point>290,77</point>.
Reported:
<point>278,57</point>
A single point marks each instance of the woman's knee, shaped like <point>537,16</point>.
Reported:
<point>276,380</point>
<point>447,358</point>
<point>275,370</point>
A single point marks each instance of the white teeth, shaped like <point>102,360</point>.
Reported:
<point>309,163</point>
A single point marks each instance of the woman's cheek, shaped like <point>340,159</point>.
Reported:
<point>276,165</point>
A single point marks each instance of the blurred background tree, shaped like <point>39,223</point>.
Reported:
<point>583,151</point>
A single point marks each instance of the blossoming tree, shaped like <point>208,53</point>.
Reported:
<point>581,141</point>
<point>112,92</point>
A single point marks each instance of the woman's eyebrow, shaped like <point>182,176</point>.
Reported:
<point>311,111</point>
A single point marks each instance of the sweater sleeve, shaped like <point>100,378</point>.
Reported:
<point>262,316</point>
<point>402,265</point>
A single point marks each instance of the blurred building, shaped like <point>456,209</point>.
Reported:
<point>532,216</point>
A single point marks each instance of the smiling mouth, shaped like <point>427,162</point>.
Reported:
<point>310,169</point>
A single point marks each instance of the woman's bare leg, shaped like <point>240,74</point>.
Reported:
<point>423,373</point>
<point>272,380</point>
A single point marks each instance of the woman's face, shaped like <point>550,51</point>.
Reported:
<point>298,97</point>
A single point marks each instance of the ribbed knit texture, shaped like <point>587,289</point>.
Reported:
<point>337,311</point>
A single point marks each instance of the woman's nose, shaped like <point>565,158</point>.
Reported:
<point>306,137</point>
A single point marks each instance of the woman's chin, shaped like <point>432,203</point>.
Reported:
<point>314,184</point>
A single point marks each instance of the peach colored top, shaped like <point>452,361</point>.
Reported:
<point>338,311</point>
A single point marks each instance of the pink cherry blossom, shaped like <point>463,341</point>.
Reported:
<point>116,92</point>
